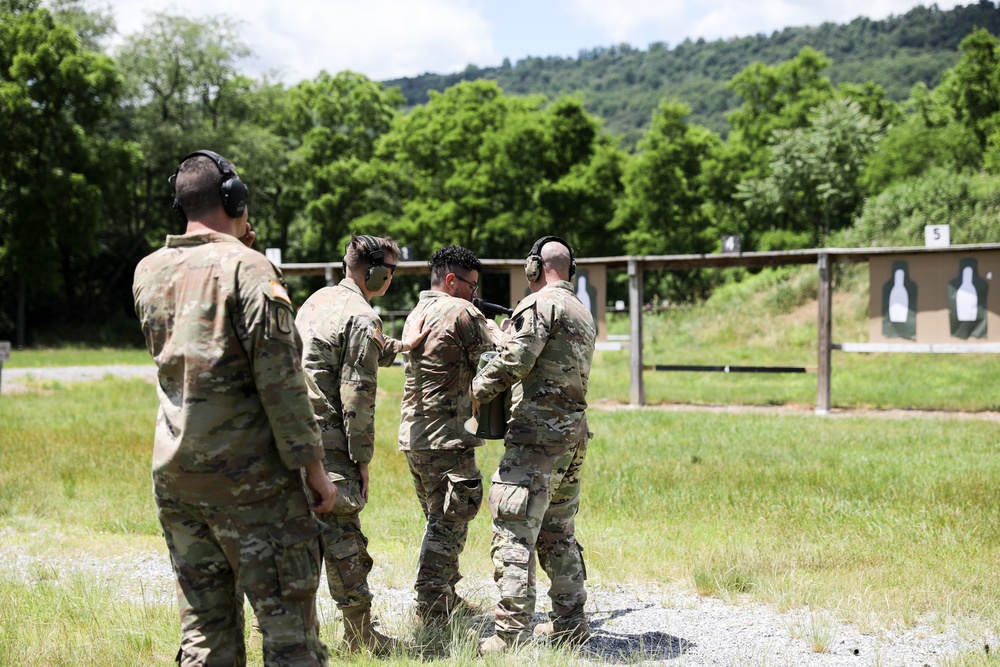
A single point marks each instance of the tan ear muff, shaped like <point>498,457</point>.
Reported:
<point>378,272</point>
<point>376,277</point>
<point>533,268</point>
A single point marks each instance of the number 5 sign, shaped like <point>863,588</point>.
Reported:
<point>937,236</point>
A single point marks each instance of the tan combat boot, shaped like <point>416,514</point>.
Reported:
<point>572,632</point>
<point>360,634</point>
<point>465,607</point>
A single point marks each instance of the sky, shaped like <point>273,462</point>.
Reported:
<point>386,39</point>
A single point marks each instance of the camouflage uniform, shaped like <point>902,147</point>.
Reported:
<point>343,348</point>
<point>233,429</point>
<point>535,492</point>
<point>436,404</point>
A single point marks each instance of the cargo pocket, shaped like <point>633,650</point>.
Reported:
<point>516,581</point>
<point>298,558</point>
<point>349,499</point>
<point>348,564</point>
<point>464,498</point>
<point>510,490</point>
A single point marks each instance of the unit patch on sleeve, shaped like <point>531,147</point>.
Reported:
<point>278,291</point>
<point>524,321</point>
<point>379,339</point>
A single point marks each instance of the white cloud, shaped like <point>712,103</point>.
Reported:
<point>385,39</point>
<point>639,21</point>
<point>379,38</point>
<point>623,20</point>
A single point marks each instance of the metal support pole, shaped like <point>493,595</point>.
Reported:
<point>637,389</point>
<point>823,323</point>
<point>328,275</point>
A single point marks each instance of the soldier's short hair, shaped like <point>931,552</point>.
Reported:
<point>199,187</point>
<point>451,259</point>
<point>356,255</point>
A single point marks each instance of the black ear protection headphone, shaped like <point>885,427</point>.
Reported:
<point>233,191</point>
<point>533,264</point>
<point>378,272</point>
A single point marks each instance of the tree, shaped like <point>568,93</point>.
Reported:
<point>912,148</point>
<point>778,98</point>
<point>492,172</point>
<point>663,208</point>
<point>331,126</point>
<point>972,86</point>
<point>814,181</point>
<point>661,212</point>
<point>55,163</point>
<point>182,82</point>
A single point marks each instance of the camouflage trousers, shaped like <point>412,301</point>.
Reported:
<point>449,487</point>
<point>268,551</point>
<point>534,497</point>
<point>345,547</point>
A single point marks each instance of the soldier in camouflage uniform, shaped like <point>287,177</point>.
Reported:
<point>343,348</point>
<point>234,431</point>
<point>436,404</point>
<point>535,493</point>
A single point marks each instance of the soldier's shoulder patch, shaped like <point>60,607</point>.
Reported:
<point>379,338</point>
<point>279,312</point>
<point>524,320</point>
<point>278,291</point>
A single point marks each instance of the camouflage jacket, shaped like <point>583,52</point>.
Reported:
<point>343,346</point>
<point>436,401</point>
<point>547,362</point>
<point>235,423</point>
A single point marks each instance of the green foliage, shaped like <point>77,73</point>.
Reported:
<point>814,179</point>
<point>623,84</point>
<point>778,98</point>
<point>331,125</point>
<point>90,142</point>
<point>972,87</point>
<point>913,148</point>
<point>57,162</point>
<point>969,203</point>
<point>663,208</point>
<point>493,172</point>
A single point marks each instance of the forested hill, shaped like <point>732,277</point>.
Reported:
<point>623,84</point>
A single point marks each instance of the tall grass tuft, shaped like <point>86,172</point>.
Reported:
<point>80,620</point>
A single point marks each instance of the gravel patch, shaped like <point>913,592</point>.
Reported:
<point>19,380</point>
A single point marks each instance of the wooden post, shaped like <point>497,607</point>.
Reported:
<point>328,275</point>
<point>823,323</point>
<point>637,389</point>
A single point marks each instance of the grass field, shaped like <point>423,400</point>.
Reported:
<point>877,521</point>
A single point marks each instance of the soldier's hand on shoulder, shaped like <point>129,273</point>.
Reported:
<point>414,335</point>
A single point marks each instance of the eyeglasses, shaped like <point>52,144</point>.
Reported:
<point>474,286</point>
<point>391,267</point>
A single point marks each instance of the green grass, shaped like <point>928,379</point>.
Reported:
<point>770,320</point>
<point>878,520</point>
<point>80,620</point>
